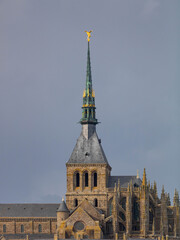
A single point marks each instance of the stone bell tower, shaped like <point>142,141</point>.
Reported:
<point>87,169</point>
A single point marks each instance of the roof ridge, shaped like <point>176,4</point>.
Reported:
<point>123,176</point>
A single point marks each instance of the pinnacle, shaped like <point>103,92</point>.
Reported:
<point>144,181</point>
<point>176,197</point>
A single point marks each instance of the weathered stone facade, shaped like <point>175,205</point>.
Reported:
<point>30,225</point>
<point>132,208</point>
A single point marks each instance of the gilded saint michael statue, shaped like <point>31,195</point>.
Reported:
<point>88,35</point>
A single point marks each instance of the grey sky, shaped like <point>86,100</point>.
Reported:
<point>135,55</point>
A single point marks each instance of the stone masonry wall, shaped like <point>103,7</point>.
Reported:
<point>31,226</point>
<point>90,192</point>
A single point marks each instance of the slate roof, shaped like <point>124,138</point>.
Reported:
<point>63,207</point>
<point>88,151</point>
<point>124,180</point>
<point>28,210</point>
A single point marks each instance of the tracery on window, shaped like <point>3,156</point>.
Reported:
<point>79,226</point>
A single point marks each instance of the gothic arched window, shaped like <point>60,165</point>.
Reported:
<point>122,216</point>
<point>86,179</point>
<point>22,228</point>
<point>77,180</point>
<point>121,227</point>
<point>151,214</point>
<point>109,226</point>
<point>4,228</point>
<point>95,202</point>
<point>135,214</point>
<point>123,203</point>
<point>75,202</point>
<point>89,113</point>
<point>110,206</point>
<point>95,179</point>
<point>40,228</point>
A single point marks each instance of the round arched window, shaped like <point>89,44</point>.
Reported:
<point>78,226</point>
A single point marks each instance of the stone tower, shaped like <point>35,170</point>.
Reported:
<point>88,169</point>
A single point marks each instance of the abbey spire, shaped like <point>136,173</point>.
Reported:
<point>88,149</point>
<point>88,113</point>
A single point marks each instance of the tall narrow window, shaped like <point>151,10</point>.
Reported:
<point>85,115</point>
<point>95,179</point>
<point>75,202</point>
<point>95,202</point>
<point>123,203</point>
<point>40,228</point>
<point>77,180</point>
<point>135,214</point>
<point>4,228</point>
<point>22,228</point>
<point>110,207</point>
<point>89,113</point>
<point>86,179</point>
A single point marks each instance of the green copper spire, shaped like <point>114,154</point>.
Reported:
<point>88,113</point>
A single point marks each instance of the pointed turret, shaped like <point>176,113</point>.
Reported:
<point>168,199</point>
<point>155,190</point>
<point>119,185</point>
<point>137,174</point>
<point>128,188</point>
<point>155,187</point>
<point>62,213</point>
<point>162,192</point>
<point>63,207</point>
<point>115,188</point>
<point>144,180</point>
<point>88,113</point>
<point>176,198</point>
<point>164,214</point>
<point>144,206</point>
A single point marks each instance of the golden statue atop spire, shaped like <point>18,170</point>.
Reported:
<point>88,35</point>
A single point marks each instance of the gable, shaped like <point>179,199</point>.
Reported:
<point>92,211</point>
<point>80,215</point>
